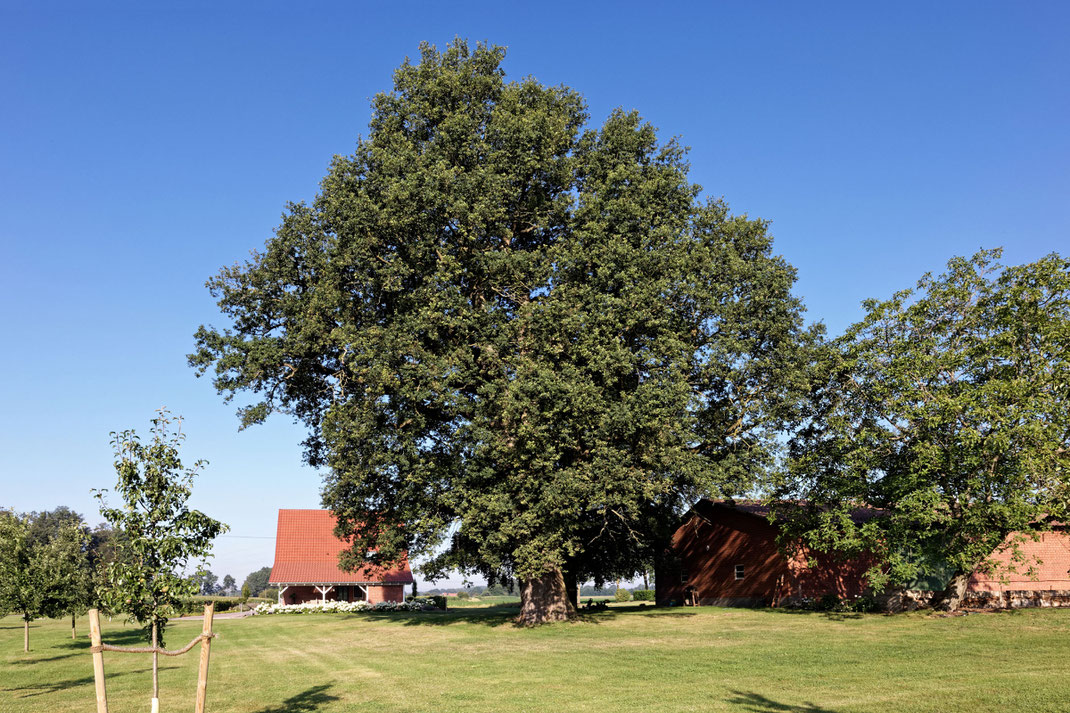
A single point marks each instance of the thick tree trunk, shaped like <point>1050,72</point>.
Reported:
<point>573,588</point>
<point>26,635</point>
<point>951,598</point>
<point>545,599</point>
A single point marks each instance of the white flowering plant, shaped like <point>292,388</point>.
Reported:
<point>335,607</point>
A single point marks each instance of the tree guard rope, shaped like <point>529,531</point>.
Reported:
<point>150,649</point>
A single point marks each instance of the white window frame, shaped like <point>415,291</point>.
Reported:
<point>740,571</point>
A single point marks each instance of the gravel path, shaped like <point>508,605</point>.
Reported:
<point>221,615</point>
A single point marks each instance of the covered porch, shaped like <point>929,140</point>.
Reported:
<point>371,592</point>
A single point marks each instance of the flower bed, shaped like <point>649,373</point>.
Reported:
<point>334,607</point>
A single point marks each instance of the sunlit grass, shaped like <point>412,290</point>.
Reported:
<point>623,659</point>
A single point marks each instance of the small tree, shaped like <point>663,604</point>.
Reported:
<point>229,585</point>
<point>36,572</point>
<point>162,536</point>
<point>64,532</point>
<point>71,591</point>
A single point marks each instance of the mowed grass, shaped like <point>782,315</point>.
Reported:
<point>623,659</point>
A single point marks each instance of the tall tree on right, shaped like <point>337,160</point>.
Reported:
<point>947,406</point>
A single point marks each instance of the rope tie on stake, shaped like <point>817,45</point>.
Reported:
<point>150,649</point>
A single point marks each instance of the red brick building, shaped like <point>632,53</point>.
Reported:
<point>726,554</point>
<point>1047,585</point>
<point>306,565</point>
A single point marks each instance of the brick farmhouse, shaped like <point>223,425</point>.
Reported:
<point>306,565</point>
<point>726,554</point>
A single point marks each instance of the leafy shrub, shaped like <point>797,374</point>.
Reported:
<point>643,595</point>
<point>462,594</point>
<point>832,603</point>
<point>828,602</point>
<point>623,595</point>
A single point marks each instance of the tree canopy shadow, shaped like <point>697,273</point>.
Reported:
<point>830,615</point>
<point>23,662</point>
<point>123,637</point>
<point>757,703</point>
<point>505,615</point>
<point>306,701</point>
<point>38,689</point>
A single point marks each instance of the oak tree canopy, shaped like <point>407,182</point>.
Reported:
<point>520,344</point>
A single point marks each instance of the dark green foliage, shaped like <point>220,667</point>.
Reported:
<point>258,581</point>
<point>187,606</point>
<point>643,595</point>
<point>947,407</point>
<point>505,327</point>
<point>207,583</point>
<point>597,591</point>
<point>162,536</point>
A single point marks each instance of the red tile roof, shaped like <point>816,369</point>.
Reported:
<point>306,552</point>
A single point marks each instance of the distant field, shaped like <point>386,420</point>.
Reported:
<point>472,659</point>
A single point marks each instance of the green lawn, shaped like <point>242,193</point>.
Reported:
<point>624,659</point>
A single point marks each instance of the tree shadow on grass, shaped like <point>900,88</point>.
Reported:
<point>311,699</point>
<point>22,662</point>
<point>757,703</point>
<point>38,689</point>
<point>504,615</point>
<point>830,615</point>
<point>488,616</point>
<point>123,637</point>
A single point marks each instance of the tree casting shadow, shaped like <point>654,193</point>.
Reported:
<point>757,703</point>
<point>304,702</point>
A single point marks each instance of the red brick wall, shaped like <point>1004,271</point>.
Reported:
<point>386,593</point>
<point>707,552</point>
<point>1050,557</point>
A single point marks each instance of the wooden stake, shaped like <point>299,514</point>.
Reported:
<point>206,651</point>
<point>98,661</point>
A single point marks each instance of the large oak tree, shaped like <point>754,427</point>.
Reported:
<point>511,334</point>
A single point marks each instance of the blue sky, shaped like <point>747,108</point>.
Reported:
<point>142,149</point>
